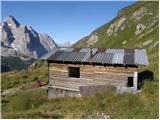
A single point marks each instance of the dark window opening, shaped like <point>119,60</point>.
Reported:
<point>130,82</point>
<point>74,72</point>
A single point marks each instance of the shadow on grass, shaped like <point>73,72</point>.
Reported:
<point>144,76</point>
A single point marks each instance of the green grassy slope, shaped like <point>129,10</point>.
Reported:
<point>27,77</point>
<point>126,38</point>
<point>34,104</point>
<point>14,63</point>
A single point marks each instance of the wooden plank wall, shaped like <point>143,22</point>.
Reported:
<point>89,75</point>
<point>91,68</point>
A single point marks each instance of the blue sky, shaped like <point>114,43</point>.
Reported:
<point>63,21</point>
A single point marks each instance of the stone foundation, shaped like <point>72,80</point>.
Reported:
<point>54,92</point>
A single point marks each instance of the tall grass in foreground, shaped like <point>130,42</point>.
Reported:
<point>34,104</point>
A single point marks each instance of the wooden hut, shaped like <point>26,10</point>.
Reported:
<point>81,71</point>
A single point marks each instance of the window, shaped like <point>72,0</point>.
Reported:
<point>74,72</point>
<point>130,82</point>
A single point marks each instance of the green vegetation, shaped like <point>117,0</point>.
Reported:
<point>14,63</point>
<point>18,78</point>
<point>116,39</point>
<point>35,104</point>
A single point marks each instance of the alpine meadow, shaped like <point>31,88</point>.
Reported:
<point>135,26</point>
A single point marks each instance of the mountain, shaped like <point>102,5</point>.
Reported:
<point>21,44</point>
<point>66,44</point>
<point>135,26</point>
<point>22,40</point>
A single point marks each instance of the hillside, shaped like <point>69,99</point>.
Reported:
<point>18,78</point>
<point>135,26</point>
<point>21,98</point>
<point>14,63</point>
<point>143,105</point>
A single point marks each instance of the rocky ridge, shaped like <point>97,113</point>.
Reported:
<point>22,40</point>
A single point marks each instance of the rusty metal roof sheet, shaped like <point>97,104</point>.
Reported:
<point>129,57</point>
<point>101,50</point>
<point>100,56</point>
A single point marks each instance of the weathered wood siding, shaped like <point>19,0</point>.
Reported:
<point>89,75</point>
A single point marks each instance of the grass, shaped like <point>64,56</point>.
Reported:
<point>18,78</point>
<point>128,34</point>
<point>141,105</point>
<point>35,104</point>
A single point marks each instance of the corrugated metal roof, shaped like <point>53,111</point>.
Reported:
<point>140,57</point>
<point>109,58</point>
<point>118,55</point>
<point>46,56</point>
<point>84,50</point>
<point>79,56</point>
<point>94,51</point>
<point>103,58</point>
<point>62,56</point>
<point>101,50</point>
<point>129,57</point>
<point>69,49</point>
<point>56,55</point>
<point>100,56</point>
<point>76,49</point>
<point>87,56</point>
<point>70,57</point>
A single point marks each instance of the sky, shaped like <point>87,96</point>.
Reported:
<point>64,21</point>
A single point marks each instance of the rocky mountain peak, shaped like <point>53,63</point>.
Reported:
<point>22,40</point>
<point>11,21</point>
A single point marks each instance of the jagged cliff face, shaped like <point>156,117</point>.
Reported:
<point>135,26</point>
<point>22,40</point>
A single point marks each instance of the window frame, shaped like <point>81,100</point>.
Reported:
<point>72,76</point>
